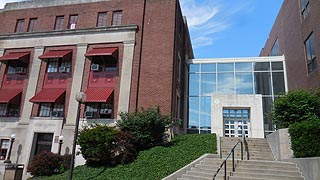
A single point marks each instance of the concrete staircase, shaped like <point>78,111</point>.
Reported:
<point>261,165</point>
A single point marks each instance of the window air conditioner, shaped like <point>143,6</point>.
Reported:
<point>57,114</point>
<point>95,67</point>
<point>105,111</point>
<point>90,114</point>
<point>20,70</point>
<point>73,26</point>
<point>63,69</point>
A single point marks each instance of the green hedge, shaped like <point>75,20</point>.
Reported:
<point>305,138</point>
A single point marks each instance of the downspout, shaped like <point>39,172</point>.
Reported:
<point>140,54</point>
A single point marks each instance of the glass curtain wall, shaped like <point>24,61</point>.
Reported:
<point>207,79</point>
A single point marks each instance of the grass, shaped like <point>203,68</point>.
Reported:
<point>155,163</point>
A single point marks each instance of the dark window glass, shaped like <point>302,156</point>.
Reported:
<point>117,18</point>
<point>51,110</point>
<point>262,66</point>
<point>277,66</point>
<point>43,143</point>
<point>99,110</point>
<point>275,49</point>
<point>59,23</point>
<point>32,24</point>
<point>58,65</point>
<point>205,113</point>
<point>311,53</point>
<point>262,83</point>
<point>278,83</point>
<point>19,26</point>
<point>102,19</point>
<point>73,19</point>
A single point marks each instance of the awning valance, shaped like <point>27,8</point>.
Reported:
<point>55,54</point>
<point>110,51</point>
<point>7,95</point>
<point>48,95</point>
<point>14,56</point>
<point>98,94</point>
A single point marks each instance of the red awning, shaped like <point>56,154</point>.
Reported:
<point>110,51</point>
<point>48,95</point>
<point>55,54</point>
<point>14,56</point>
<point>6,95</point>
<point>98,94</point>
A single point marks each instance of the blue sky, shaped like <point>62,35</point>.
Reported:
<point>229,28</point>
<point>226,28</point>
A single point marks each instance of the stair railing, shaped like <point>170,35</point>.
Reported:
<point>224,163</point>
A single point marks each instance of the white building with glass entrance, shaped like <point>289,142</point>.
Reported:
<point>232,96</point>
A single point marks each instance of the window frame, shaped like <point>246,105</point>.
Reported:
<point>73,19</point>
<point>96,107</point>
<point>311,59</point>
<point>19,26</point>
<point>117,18</point>
<point>32,24</point>
<point>59,23</point>
<point>50,107</point>
<point>54,64</point>
<point>102,19</point>
<point>305,7</point>
<point>2,150</point>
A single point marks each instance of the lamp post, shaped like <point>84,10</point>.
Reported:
<point>60,144</point>
<point>13,137</point>
<point>80,97</point>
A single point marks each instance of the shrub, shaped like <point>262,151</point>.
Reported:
<point>147,126</point>
<point>48,163</point>
<point>296,106</point>
<point>103,145</point>
<point>304,138</point>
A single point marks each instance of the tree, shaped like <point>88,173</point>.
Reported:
<point>296,106</point>
<point>147,126</point>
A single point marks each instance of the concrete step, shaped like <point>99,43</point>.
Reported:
<point>210,171</point>
<point>268,163</point>
<point>266,176</point>
<point>270,178</point>
<point>267,171</point>
<point>192,177</point>
<point>280,168</point>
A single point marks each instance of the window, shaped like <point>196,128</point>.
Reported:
<point>116,18</point>
<point>311,53</point>
<point>19,26</point>
<point>58,65</point>
<point>305,9</point>
<point>51,110</point>
<point>11,70</point>
<point>102,19</point>
<point>32,24</point>
<point>275,48</point>
<point>73,21</point>
<point>9,110</point>
<point>179,67</point>
<point>98,110</point>
<point>43,142</point>
<point>4,146</point>
<point>59,23</point>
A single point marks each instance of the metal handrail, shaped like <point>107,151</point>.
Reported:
<point>245,141</point>
<point>225,161</point>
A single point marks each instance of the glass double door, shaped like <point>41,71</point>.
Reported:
<point>236,122</point>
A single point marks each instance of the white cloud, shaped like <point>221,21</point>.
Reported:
<point>3,2</point>
<point>207,18</point>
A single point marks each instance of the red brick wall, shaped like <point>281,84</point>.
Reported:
<point>292,30</point>
<point>154,79</point>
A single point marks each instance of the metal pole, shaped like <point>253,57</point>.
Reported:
<point>233,168</point>
<point>241,151</point>
<point>74,141</point>
<point>60,144</point>
<point>9,153</point>
<point>225,170</point>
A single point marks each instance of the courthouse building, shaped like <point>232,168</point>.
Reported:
<point>124,54</point>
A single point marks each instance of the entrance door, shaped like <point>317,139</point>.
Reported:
<point>41,142</point>
<point>236,122</point>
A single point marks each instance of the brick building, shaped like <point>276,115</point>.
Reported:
<point>296,35</point>
<point>124,54</point>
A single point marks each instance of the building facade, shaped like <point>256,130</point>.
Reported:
<point>233,96</point>
<point>296,35</point>
<point>124,54</point>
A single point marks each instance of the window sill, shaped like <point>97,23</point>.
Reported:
<point>46,118</point>
<point>100,121</point>
<point>9,119</point>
